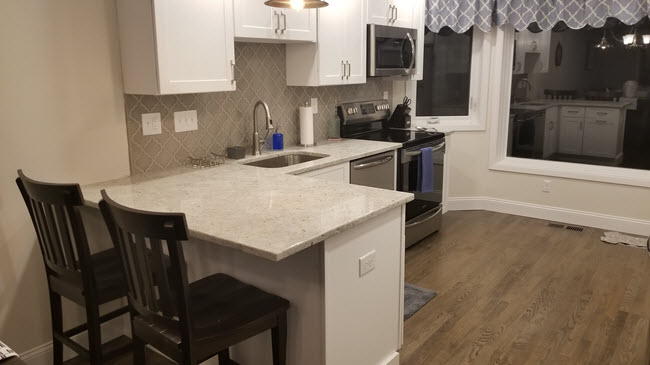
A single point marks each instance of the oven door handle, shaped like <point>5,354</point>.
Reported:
<point>368,165</point>
<point>425,219</point>
<point>417,153</point>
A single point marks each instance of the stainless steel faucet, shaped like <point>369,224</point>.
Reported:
<point>527,82</point>
<point>269,127</point>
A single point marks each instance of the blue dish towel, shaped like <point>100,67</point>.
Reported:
<point>425,170</point>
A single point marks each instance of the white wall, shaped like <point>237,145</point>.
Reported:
<point>470,176</point>
<point>62,119</point>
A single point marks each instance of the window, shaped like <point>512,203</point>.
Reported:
<point>452,94</point>
<point>445,87</point>
<point>573,103</point>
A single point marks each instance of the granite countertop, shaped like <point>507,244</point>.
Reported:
<point>265,212</point>
<point>545,104</point>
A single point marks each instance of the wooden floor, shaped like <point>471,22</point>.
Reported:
<point>514,291</point>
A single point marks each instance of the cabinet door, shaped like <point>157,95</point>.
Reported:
<point>253,19</point>
<point>571,130</point>
<point>195,45</point>
<point>298,25</point>
<point>331,43</point>
<point>403,13</point>
<point>379,12</point>
<point>600,138</point>
<point>355,41</point>
<point>551,132</point>
<point>338,173</point>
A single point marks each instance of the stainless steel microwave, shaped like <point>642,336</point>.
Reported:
<point>391,50</point>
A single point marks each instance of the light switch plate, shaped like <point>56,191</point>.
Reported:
<point>151,124</point>
<point>186,121</point>
<point>367,263</point>
<point>314,105</point>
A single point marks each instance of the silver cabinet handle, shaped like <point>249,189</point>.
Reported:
<point>277,17</point>
<point>344,69</point>
<point>602,113</point>
<point>416,153</point>
<point>390,15</point>
<point>284,18</point>
<point>232,70</point>
<point>581,126</point>
<point>349,70</point>
<point>395,18</point>
<point>370,164</point>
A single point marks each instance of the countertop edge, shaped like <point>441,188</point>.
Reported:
<point>300,246</point>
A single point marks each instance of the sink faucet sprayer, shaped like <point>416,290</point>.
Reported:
<point>269,127</point>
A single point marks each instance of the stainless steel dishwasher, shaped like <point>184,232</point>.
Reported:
<point>377,171</point>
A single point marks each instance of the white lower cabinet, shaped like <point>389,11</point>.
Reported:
<point>339,173</point>
<point>176,47</point>
<point>600,138</point>
<point>339,57</point>
<point>551,131</point>
<point>571,136</point>
<point>595,132</point>
<point>255,21</point>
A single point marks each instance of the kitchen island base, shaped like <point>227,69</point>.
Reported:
<point>337,315</point>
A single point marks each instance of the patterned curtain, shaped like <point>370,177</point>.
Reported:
<point>460,15</point>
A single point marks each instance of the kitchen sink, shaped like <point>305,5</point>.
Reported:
<point>285,160</point>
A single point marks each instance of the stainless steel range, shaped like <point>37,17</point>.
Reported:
<point>368,120</point>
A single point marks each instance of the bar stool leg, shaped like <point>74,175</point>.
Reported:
<point>279,340</point>
<point>138,351</point>
<point>224,357</point>
<point>94,334</point>
<point>57,327</point>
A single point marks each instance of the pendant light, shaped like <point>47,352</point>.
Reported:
<point>297,4</point>
<point>604,44</point>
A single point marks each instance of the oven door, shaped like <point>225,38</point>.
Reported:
<point>391,50</point>
<point>408,176</point>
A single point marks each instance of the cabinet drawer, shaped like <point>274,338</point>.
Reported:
<point>573,111</point>
<point>607,114</point>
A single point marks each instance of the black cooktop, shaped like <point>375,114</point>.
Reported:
<point>408,138</point>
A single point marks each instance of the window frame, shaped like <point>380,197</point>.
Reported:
<point>479,90</point>
<point>499,110</point>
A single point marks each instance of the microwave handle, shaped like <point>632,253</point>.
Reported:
<point>416,153</point>
<point>410,67</point>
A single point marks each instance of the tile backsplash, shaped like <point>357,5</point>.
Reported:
<point>225,118</point>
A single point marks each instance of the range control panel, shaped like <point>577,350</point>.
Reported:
<point>364,112</point>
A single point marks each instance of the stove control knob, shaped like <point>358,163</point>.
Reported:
<point>350,111</point>
<point>356,110</point>
<point>377,107</point>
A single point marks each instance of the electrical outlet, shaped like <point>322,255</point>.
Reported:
<point>367,263</point>
<point>385,95</point>
<point>547,186</point>
<point>151,124</point>
<point>314,105</point>
<point>186,121</point>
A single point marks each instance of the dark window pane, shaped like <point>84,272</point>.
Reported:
<point>445,87</point>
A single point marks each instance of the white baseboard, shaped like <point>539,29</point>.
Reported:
<point>392,359</point>
<point>42,355</point>
<point>571,216</point>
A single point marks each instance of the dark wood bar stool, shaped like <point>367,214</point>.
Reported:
<point>189,323</point>
<point>72,272</point>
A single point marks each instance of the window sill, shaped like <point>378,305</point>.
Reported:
<point>605,174</point>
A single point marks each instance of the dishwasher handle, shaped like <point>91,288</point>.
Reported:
<point>370,164</point>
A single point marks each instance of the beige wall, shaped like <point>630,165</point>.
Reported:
<point>470,176</point>
<point>62,118</point>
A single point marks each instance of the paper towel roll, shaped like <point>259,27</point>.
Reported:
<point>306,125</point>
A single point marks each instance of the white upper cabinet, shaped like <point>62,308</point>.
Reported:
<point>339,57</point>
<point>396,13</point>
<point>255,21</point>
<point>176,46</point>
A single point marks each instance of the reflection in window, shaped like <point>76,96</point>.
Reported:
<point>582,96</point>
<point>445,87</point>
